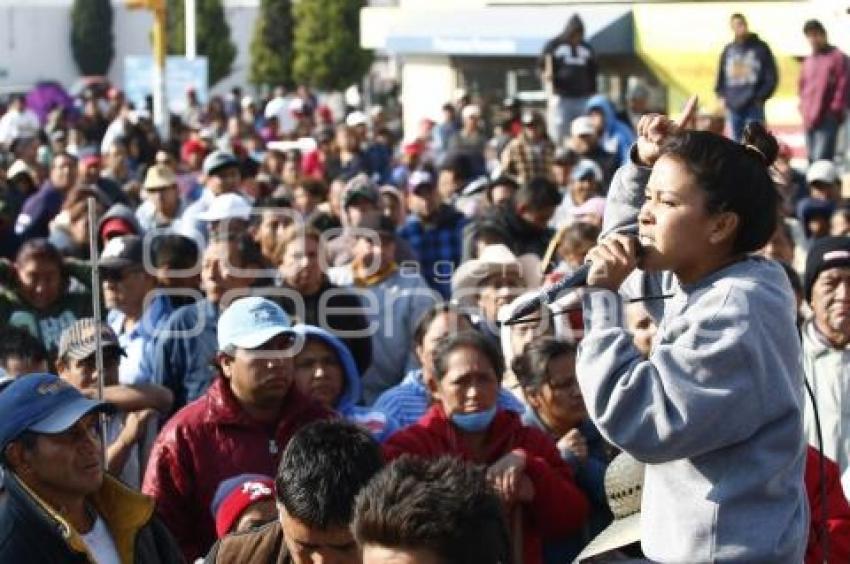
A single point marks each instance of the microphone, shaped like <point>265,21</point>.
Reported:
<point>548,294</point>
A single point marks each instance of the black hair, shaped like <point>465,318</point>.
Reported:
<point>443,506</point>
<point>249,253</point>
<point>500,181</point>
<point>324,466</point>
<point>734,177</point>
<point>738,16</point>
<point>174,251</point>
<point>538,193</point>
<point>793,278</point>
<point>427,318</point>
<point>17,342</point>
<point>531,367</point>
<point>813,26</point>
<point>275,202</point>
<point>41,249</point>
<point>468,338</point>
<point>460,165</point>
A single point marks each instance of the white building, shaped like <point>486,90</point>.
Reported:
<point>35,41</point>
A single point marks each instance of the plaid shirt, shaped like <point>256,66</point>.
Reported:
<point>437,246</point>
<point>524,159</point>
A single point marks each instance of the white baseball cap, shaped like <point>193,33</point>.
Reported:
<point>227,206</point>
<point>822,171</point>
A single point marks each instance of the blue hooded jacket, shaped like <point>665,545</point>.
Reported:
<point>376,422</point>
<point>617,137</point>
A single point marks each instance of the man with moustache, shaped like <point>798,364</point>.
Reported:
<point>61,505</point>
<point>240,425</point>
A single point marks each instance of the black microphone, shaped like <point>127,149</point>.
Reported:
<point>548,294</point>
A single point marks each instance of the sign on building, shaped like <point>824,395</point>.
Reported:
<point>181,74</point>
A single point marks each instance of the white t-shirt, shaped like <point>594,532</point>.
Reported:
<point>100,544</point>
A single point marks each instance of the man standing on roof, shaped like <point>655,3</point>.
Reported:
<point>746,77</point>
<point>569,72</point>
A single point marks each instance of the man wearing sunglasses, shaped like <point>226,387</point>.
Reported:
<point>240,425</point>
<point>136,309</point>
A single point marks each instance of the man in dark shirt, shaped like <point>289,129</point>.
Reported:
<point>569,72</point>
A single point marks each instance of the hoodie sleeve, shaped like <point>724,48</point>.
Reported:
<point>769,74</point>
<point>625,197</point>
<point>559,506</point>
<point>696,393</point>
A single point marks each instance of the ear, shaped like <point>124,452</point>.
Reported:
<point>434,388</point>
<point>226,363</point>
<point>16,458</point>
<point>532,397</point>
<point>420,353</point>
<point>725,226</point>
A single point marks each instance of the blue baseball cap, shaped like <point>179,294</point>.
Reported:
<point>249,322</point>
<point>42,403</point>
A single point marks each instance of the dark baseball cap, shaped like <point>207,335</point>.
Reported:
<point>359,187</point>
<point>218,160</point>
<point>121,252</point>
<point>42,403</point>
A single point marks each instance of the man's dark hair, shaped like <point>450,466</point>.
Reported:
<point>471,339</point>
<point>532,366</point>
<point>500,181</point>
<point>17,342</point>
<point>174,251</point>
<point>738,16</point>
<point>813,26</point>
<point>322,469</point>
<point>249,253</point>
<point>442,505</point>
<point>426,319</point>
<point>538,193</point>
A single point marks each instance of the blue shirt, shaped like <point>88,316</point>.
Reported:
<point>138,344</point>
<point>437,247</point>
<point>407,401</point>
<point>185,349</point>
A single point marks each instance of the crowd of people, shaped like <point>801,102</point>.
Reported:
<point>303,352</point>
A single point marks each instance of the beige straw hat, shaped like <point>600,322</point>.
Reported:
<point>623,488</point>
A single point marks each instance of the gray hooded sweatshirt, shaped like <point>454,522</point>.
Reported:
<point>715,412</point>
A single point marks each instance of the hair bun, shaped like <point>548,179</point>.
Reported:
<point>761,142</point>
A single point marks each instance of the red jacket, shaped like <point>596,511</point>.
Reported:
<point>559,507</point>
<point>208,441</point>
<point>822,86</point>
<point>837,510</point>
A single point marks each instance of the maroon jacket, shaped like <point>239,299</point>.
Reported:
<point>837,522</point>
<point>208,441</point>
<point>823,86</point>
<point>559,507</point>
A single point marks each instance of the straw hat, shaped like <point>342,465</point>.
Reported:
<point>494,259</point>
<point>623,488</point>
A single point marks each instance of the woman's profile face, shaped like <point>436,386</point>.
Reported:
<point>674,225</point>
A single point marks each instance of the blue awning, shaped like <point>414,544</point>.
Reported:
<point>493,31</point>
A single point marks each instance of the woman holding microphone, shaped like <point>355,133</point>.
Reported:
<point>715,411</point>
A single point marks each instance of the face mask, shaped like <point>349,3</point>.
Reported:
<point>474,422</point>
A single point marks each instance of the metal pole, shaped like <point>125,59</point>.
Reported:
<point>191,46</point>
<point>160,102</point>
<point>95,296</point>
